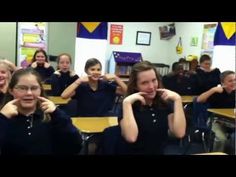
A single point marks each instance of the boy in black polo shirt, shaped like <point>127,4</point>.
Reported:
<point>221,96</point>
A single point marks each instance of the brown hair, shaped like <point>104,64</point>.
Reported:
<point>15,79</point>
<point>59,57</point>
<point>40,51</point>
<point>140,67</point>
<point>91,62</point>
<point>225,74</point>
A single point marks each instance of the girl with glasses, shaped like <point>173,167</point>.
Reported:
<point>32,124</point>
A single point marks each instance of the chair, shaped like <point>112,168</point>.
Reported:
<point>112,143</point>
<point>198,131</point>
<point>162,68</point>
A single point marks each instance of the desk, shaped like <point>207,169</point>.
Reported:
<point>212,153</point>
<point>47,87</point>
<point>93,124</point>
<point>88,126</point>
<point>226,113</point>
<point>58,100</point>
<point>187,98</point>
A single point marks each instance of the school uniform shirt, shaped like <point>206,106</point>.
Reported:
<point>29,135</point>
<point>2,95</point>
<point>152,129</point>
<point>60,82</point>
<point>207,80</point>
<point>222,100</point>
<point>95,103</point>
<point>45,73</point>
<point>183,85</point>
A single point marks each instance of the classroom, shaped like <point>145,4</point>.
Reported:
<point>101,57</point>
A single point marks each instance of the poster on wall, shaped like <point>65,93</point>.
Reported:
<point>167,31</point>
<point>116,34</point>
<point>31,37</point>
<point>208,38</point>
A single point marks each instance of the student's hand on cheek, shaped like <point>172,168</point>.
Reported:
<point>135,97</point>
<point>10,109</point>
<point>108,77</point>
<point>46,65</point>
<point>168,94</point>
<point>34,64</point>
<point>46,105</point>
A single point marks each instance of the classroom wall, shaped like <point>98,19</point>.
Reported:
<point>157,52</point>
<point>8,40</point>
<point>61,38</point>
<point>186,30</point>
<point>62,35</point>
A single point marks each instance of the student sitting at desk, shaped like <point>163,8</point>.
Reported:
<point>180,81</point>
<point>30,124</point>
<point>63,77</point>
<point>5,77</point>
<point>206,76</point>
<point>221,96</point>
<point>149,112</point>
<point>41,64</point>
<point>94,94</point>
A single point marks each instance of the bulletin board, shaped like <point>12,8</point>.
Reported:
<point>31,36</point>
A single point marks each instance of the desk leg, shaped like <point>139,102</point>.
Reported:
<point>85,137</point>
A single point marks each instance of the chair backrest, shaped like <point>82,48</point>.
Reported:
<point>112,142</point>
<point>200,114</point>
<point>162,68</point>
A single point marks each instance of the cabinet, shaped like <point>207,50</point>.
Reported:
<point>121,63</point>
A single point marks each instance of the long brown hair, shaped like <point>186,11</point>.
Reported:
<point>132,85</point>
<point>40,51</point>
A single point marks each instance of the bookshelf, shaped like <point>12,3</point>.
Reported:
<point>121,63</point>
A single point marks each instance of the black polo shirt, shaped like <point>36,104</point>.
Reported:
<point>45,73</point>
<point>153,129</point>
<point>222,100</point>
<point>98,102</point>
<point>61,82</point>
<point>207,80</point>
<point>30,135</point>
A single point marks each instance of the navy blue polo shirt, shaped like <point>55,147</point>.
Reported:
<point>45,73</point>
<point>207,80</point>
<point>153,129</point>
<point>222,100</point>
<point>98,102</point>
<point>61,82</point>
<point>31,135</point>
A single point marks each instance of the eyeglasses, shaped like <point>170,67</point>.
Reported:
<point>24,88</point>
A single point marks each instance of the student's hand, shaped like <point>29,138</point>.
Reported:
<point>57,72</point>
<point>46,105</point>
<point>34,64</point>
<point>218,89</point>
<point>46,65</point>
<point>83,79</point>
<point>10,109</point>
<point>135,97</point>
<point>108,77</point>
<point>168,95</point>
<point>72,73</point>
